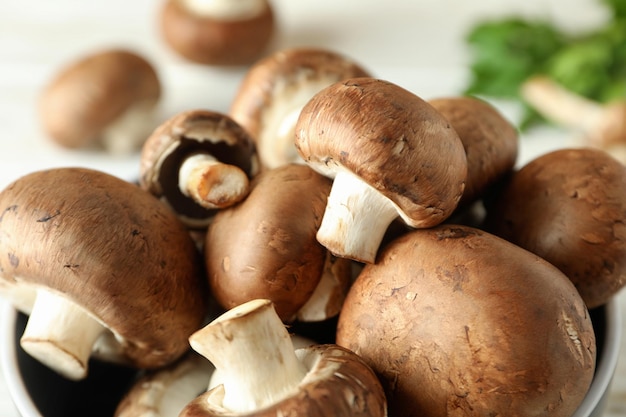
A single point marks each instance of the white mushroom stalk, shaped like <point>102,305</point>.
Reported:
<point>61,334</point>
<point>251,348</point>
<point>211,183</point>
<point>227,10</point>
<point>602,125</point>
<point>126,134</point>
<point>356,218</point>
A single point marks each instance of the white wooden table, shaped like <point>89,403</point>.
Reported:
<point>416,43</point>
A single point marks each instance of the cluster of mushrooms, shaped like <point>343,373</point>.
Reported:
<point>452,283</point>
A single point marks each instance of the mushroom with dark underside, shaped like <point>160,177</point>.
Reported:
<point>265,247</point>
<point>569,207</point>
<point>320,380</point>
<point>274,90</point>
<point>108,270</point>
<point>107,99</point>
<point>197,162</point>
<point>218,32</point>
<point>456,321</point>
<point>390,153</point>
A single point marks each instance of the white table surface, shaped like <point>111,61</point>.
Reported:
<point>415,43</point>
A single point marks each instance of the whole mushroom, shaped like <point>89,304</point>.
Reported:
<point>197,162</point>
<point>390,153</point>
<point>110,271</point>
<point>107,99</point>
<point>265,246</point>
<point>274,90</point>
<point>457,322</point>
<point>218,32</point>
<point>321,380</point>
<point>569,207</point>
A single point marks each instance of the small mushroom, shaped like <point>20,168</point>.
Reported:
<point>275,89</point>
<point>218,32</point>
<point>569,207</point>
<point>602,125</point>
<point>489,139</point>
<point>458,322</point>
<point>321,380</point>
<point>107,99</point>
<point>390,154</point>
<point>112,273</point>
<point>265,246</point>
<point>197,162</point>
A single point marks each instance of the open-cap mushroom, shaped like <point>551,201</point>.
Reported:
<point>601,125</point>
<point>107,99</point>
<point>569,207</point>
<point>113,273</point>
<point>458,322</point>
<point>320,380</point>
<point>489,139</point>
<point>265,246</point>
<point>275,89</point>
<point>390,153</point>
<point>197,162</point>
<point>218,32</point>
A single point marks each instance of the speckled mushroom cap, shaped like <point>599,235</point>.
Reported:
<point>276,87</point>
<point>568,206</point>
<point>390,138</point>
<point>265,246</point>
<point>489,139</point>
<point>113,249</point>
<point>456,321</point>
<point>185,134</point>
<point>91,93</point>
<point>225,35</point>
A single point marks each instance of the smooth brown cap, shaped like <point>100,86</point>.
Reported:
<point>390,138</point>
<point>568,206</point>
<point>265,246</point>
<point>185,134</point>
<point>89,94</point>
<point>208,40</point>
<point>113,249</point>
<point>489,139</point>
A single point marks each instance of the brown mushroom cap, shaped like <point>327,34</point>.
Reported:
<point>489,139</point>
<point>94,92</point>
<point>380,134</point>
<point>265,246</point>
<point>111,248</point>
<point>206,37</point>
<point>274,91</point>
<point>186,134</point>
<point>568,206</point>
<point>456,321</point>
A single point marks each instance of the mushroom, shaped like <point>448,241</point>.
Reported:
<point>218,32</point>
<point>108,98</point>
<point>489,139</point>
<point>197,162</point>
<point>275,89</point>
<point>321,380</point>
<point>265,246</point>
<point>602,125</point>
<point>390,154</point>
<point>112,272</point>
<point>568,206</point>
<point>457,322</point>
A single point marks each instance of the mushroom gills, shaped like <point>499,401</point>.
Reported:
<point>61,334</point>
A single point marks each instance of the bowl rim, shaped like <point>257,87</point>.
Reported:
<point>597,391</point>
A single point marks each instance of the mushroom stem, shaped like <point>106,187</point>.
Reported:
<point>356,218</point>
<point>251,348</point>
<point>60,334</point>
<point>211,183</point>
<point>601,124</point>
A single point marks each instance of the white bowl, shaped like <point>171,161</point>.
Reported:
<point>39,392</point>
